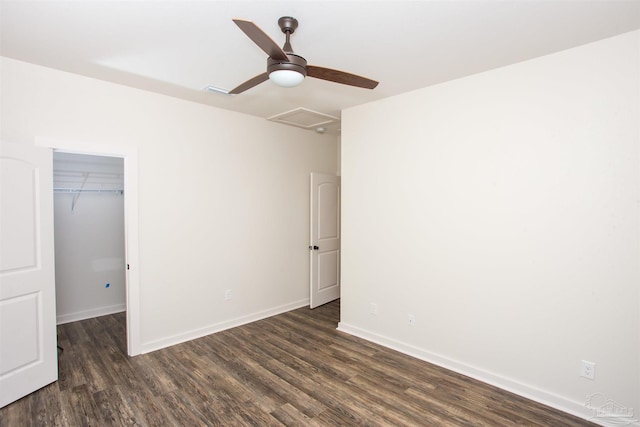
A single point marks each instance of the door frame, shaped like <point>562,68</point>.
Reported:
<point>132,278</point>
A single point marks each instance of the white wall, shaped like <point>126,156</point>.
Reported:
<point>502,211</point>
<point>223,198</point>
<point>89,236</point>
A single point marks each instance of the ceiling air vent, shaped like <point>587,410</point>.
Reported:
<point>304,118</point>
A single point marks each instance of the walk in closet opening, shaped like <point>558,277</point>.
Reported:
<point>89,236</point>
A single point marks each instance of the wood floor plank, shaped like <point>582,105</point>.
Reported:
<point>309,350</point>
<point>83,410</point>
<point>71,368</point>
<point>148,409</point>
<point>153,377</point>
<point>289,415</point>
<point>47,409</point>
<point>113,408</point>
<point>294,369</point>
<point>294,397</point>
<point>180,407</point>
<point>339,417</point>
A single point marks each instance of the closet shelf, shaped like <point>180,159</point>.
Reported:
<point>87,190</point>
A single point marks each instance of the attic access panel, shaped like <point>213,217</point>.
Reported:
<point>304,118</point>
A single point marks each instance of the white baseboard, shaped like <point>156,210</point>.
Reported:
<point>218,327</point>
<point>558,402</point>
<point>89,314</point>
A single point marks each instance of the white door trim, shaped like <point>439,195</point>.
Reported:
<point>130,156</point>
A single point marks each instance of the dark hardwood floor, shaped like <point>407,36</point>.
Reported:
<point>291,369</point>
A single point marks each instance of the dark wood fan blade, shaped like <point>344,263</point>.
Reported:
<point>263,41</point>
<point>250,83</point>
<point>340,77</point>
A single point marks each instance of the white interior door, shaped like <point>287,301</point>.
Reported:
<point>28,358</point>
<point>325,238</point>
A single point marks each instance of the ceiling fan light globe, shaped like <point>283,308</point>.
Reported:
<point>286,78</point>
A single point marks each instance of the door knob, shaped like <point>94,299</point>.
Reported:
<point>314,248</point>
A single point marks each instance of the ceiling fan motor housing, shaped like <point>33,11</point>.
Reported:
<point>296,63</point>
<point>288,24</point>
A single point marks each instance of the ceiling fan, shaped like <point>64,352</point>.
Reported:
<point>286,68</point>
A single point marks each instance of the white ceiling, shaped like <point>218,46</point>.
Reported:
<point>179,47</point>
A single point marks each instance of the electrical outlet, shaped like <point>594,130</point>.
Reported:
<point>227,295</point>
<point>412,320</point>
<point>373,309</point>
<point>588,370</point>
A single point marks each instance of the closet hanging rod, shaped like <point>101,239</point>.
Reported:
<point>86,190</point>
